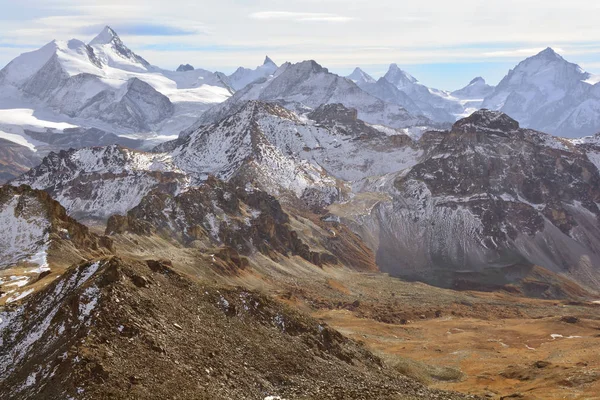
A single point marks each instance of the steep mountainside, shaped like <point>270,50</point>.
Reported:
<point>548,93</point>
<point>101,181</point>
<point>488,195</point>
<point>305,86</point>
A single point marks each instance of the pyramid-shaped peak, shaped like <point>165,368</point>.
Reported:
<point>548,53</point>
<point>108,35</point>
<point>268,61</point>
<point>397,76</point>
<point>477,80</point>
<point>358,75</point>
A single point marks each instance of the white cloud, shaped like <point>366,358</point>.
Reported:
<point>299,16</point>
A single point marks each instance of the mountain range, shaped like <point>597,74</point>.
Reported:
<point>195,233</point>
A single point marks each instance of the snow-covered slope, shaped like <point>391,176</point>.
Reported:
<point>244,76</point>
<point>104,84</point>
<point>303,87</point>
<point>548,93</point>
<point>101,181</point>
<point>330,137</point>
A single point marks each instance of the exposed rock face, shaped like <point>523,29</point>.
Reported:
<point>253,146</point>
<point>488,194</point>
<point>15,160</point>
<point>225,214</point>
<point>101,181</point>
<point>277,151</point>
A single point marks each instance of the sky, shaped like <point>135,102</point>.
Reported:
<point>444,44</point>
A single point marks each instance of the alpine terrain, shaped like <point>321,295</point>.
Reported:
<point>283,232</point>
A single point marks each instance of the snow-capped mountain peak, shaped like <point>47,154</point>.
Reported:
<point>112,51</point>
<point>108,35</point>
<point>359,76</point>
<point>548,93</point>
<point>399,77</point>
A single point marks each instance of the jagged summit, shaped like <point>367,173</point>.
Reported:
<point>487,120</point>
<point>108,35</point>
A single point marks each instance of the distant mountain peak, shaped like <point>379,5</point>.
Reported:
<point>310,65</point>
<point>109,38</point>
<point>548,53</point>
<point>398,76</point>
<point>268,61</point>
<point>477,80</point>
<point>185,67</point>
<point>108,35</point>
<point>360,76</point>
